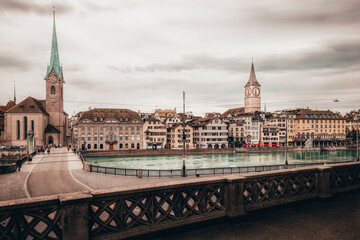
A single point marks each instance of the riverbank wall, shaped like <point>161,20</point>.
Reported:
<point>144,152</point>
<point>147,152</point>
<point>12,154</point>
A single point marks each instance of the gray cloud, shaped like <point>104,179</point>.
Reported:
<point>76,68</point>
<point>198,61</point>
<point>119,69</point>
<point>339,54</point>
<point>11,62</point>
<point>31,7</point>
<point>309,12</point>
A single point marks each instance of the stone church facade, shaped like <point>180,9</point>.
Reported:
<point>45,119</point>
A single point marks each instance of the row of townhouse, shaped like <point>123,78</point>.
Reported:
<point>121,129</point>
<point>297,127</point>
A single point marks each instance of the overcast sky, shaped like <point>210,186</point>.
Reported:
<point>141,55</point>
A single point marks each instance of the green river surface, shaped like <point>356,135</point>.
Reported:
<point>221,160</point>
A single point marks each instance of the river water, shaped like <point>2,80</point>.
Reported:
<point>221,160</point>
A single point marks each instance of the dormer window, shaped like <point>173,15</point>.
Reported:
<point>52,90</point>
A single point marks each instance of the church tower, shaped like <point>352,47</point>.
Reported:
<point>54,89</point>
<point>252,93</point>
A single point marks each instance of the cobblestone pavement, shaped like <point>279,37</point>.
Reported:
<point>12,185</point>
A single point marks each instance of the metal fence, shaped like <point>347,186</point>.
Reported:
<point>192,172</point>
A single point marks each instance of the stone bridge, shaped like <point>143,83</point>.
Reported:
<point>134,211</point>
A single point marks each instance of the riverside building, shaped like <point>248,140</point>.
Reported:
<point>174,137</point>
<point>278,120</point>
<point>154,134</point>
<point>169,117</point>
<point>324,128</point>
<point>270,135</point>
<point>352,123</point>
<point>109,129</point>
<point>236,134</point>
<point>210,132</point>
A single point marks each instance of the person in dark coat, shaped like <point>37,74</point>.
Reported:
<point>18,164</point>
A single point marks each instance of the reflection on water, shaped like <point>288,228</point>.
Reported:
<point>221,160</point>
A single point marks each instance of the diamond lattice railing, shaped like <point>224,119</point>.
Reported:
<point>127,212</point>
<point>27,224</point>
<point>344,176</point>
<point>268,189</point>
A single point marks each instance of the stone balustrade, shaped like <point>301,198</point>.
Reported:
<point>126,212</point>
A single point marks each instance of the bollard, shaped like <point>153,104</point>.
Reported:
<point>139,173</point>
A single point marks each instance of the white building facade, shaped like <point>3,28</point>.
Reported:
<point>210,133</point>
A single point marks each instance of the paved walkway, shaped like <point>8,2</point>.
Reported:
<point>51,175</point>
<point>61,172</point>
<point>12,185</point>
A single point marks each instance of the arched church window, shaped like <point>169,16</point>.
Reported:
<point>18,129</point>
<point>52,90</point>
<point>25,127</point>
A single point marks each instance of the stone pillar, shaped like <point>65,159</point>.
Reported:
<point>323,181</point>
<point>234,196</point>
<point>75,220</point>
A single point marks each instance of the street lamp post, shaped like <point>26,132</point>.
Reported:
<point>286,143</point>
<point>357,136</point>
<point>183,173</point>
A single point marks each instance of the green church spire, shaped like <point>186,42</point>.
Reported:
<point>54,58</point>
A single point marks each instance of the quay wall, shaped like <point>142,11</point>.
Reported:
<point>145,152</point>
<point>12,154</point>
<point>133,211</point>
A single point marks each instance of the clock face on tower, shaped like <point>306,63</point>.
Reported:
<point>256,91</point>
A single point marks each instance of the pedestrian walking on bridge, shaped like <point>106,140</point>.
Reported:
<point>18,164</point>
